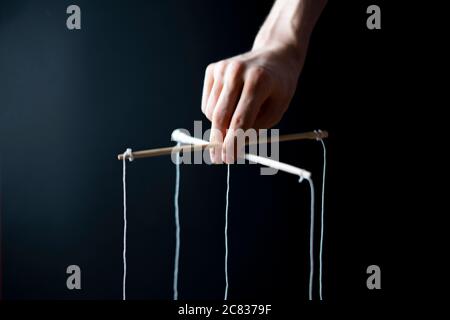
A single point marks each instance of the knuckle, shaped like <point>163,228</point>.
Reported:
<point>218,117</point>
<point>248,97</point>
<point>235,68</point>
<point>219,69</point>
<point>233,73</point>
<point>209,69</point>
<point>257,79</point>
<point>258,74</point>
<point>239,121</point>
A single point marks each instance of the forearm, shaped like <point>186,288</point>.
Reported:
<point>290,23</point>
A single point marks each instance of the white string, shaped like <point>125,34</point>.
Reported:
<point>177,226</point>
<point>311,240</point>
<point>124,254</point>
<point>127,154</point>
<point>322,216</point>
<point>180,136</point>
<point>226,232</point>
<point>302,173</point>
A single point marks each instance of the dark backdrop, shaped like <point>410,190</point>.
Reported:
<point>70,101</point>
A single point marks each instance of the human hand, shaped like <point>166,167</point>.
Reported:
<point>251,90</point>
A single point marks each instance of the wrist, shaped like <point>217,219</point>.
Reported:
<point>285,43</point>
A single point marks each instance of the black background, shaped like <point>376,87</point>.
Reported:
<point>70,101</point>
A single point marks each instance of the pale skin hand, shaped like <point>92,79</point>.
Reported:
<point>254,89</point>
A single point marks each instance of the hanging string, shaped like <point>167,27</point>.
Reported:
<point>322,216</point>
<point>181,137</point>
<point>177,227</point>
<point>127,154</point>
<point>226,231</point>
<point>303,175</point>
<point>311,239</point>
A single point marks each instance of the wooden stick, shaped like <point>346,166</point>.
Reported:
<point>312,135</point>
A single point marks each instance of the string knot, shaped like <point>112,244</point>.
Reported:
<point>128,154</point>
<point>318,134</point>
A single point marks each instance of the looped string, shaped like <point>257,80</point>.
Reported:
<point>128,154</point>
<point>318,135</point>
